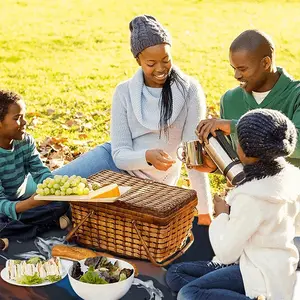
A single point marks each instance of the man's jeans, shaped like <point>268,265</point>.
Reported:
<point>206,280</point>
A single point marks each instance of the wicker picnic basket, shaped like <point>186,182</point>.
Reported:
<point>151,221</point>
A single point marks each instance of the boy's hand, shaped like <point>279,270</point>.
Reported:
<point>29,203</point>
<point>220,206</point>
<point>159,159</point>
<point>205,127</point>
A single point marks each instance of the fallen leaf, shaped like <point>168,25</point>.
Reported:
<point>55,163</point>
<point>50,111</point>
<point>88,125</point>
<point>79,115</point>
<point>79,143</point>
<point>82,136</point>
<point>33,123</point>
<point>33,114</point>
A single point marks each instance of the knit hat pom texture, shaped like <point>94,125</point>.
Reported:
<point>146,31</point>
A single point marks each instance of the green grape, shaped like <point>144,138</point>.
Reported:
<point>80,191</point>
<point>56,186</point>
<point>72,177</point>
<point>69,191</point>
<point>47,180</point>
<point>67,184</point>
<point>52,191</point>
<point>86,191</point>
<point>46,191</point>
<point>63,188</point>
<point>40,192</point>
<point>81,185</point>
<point>57,178</point>
<point>95,186</point>
<point>65,178</point>
<point>74,183</point>
<point>62,193</point>
<point>44,185</point>
<point>57,193</point>
<point>84,180</point>
<point>75,190</point>
<point>50,185</point>
<point>40,186</point>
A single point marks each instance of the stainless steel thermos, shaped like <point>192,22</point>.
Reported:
<point>221,152</point>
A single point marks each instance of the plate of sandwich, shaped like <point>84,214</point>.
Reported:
<point>33,272</point>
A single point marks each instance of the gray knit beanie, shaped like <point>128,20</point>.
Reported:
<point>266,134</point>
<point>146,31</point>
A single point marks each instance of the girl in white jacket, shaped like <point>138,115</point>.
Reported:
<point>253,243</point>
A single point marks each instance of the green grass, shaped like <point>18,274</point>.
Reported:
<point>69,55</point>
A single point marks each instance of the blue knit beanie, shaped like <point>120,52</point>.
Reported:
<point>266,134</point>
<point>146,31</point>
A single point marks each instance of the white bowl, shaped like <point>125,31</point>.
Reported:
<point>110,291</point>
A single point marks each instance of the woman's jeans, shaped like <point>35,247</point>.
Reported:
<point>94,161</point>
<point>206,281</point>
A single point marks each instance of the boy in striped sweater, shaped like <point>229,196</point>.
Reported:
<point>20,215</point>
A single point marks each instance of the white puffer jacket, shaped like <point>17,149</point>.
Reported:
<point>259,233</point>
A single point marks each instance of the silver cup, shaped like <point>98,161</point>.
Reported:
<point>193,153</point>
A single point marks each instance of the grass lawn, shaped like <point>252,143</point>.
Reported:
<point>66,56</point>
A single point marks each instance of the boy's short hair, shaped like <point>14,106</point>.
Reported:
<point>6,99</point>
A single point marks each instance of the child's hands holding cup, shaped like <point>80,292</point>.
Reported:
<point>220,205</point>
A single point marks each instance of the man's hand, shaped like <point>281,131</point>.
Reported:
<point>220,206</point>
<point>207,166</point>
<point>205,127</point>
<point>160,159</point>
<point>29,203</point>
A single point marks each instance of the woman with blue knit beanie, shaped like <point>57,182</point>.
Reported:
<point>253,241</point>
<point>152,114</point>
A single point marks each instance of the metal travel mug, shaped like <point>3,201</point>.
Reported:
<point>193,153</point>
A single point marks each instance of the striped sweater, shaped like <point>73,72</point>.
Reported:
<point>15,165</point>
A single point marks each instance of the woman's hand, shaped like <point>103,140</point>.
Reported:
<point>159,159</point>
<point>205,127</point>
<point>220,206</point>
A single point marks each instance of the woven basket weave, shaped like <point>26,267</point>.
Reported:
<point>151,221</point>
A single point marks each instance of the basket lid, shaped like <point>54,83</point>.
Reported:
<point>146,196</point>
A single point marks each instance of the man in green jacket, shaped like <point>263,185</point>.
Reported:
<point>262,85</point>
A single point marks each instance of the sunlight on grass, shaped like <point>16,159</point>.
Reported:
<point>69,55</point>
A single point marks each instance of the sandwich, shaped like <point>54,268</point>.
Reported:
<point>34,270</point>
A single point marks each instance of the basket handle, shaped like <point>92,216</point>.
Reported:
<point>73,231</point>
<point>174,256</point>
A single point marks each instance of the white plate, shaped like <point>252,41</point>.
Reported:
<point>65,266</point>
<point>84,198</point>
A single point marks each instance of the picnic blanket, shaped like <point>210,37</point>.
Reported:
<point>146,286</point>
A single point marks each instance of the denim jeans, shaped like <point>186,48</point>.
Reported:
<point>94,161</point>
<point>33,222</point>
<point>206,281</point>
